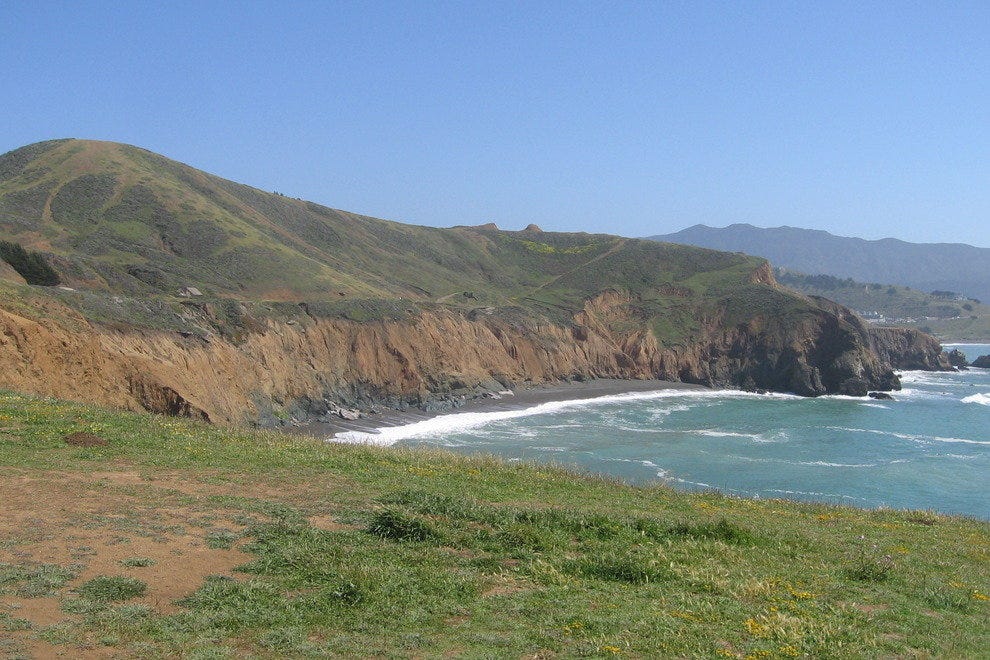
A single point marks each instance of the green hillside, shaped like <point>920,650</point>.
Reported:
<point>120,219</point>
<point>945,314</point>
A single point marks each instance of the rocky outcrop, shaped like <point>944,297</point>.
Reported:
<point>909,349</point>
<point>957,358</point>
<point>983,362</point>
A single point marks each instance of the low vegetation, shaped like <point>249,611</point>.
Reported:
<point>29,264</point>
<point>131,230</point>
<point>178,539</point>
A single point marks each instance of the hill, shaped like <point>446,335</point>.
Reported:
<point>171,538</point>
<point>955,267</point>
<point>185,293</point>
<point>949,317</point>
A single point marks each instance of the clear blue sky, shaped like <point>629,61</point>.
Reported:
<point>865,119</point>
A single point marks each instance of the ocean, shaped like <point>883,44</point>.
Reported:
<point>929,448</point>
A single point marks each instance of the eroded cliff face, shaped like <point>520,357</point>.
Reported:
<point>303,368</point>
<point>908,348</point>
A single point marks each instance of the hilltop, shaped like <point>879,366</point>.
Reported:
<point>182,292</point>
<point>923,266</point>
<point>123,219</point>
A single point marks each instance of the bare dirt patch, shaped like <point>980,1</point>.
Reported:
<point>112,524</point>
<point>84,439</point>
<point>330,524</point>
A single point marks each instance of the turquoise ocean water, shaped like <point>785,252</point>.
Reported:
<point>927,449</point>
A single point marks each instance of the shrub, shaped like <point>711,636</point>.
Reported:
<point>400,526</point>
<point>29,265</point>
<point>869,565</point>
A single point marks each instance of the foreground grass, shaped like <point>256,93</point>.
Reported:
<point>367,551</point>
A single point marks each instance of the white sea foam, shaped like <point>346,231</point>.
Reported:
<point>982,398</point>
<point>714,433</point>
<point>461,422</point>
<point>911,436</point>
<point>963,440</point>
<point>814,494</point>
<point>875,405</point>
<point>751,459</point>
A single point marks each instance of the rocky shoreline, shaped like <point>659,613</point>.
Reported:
<point>378,417</point>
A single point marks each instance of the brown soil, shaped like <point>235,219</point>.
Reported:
<point>84,439</point>
<point>94,522</point>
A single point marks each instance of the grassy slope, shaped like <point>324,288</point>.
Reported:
<point>368,551</point>
<point>138,224</point>
<point>899,303</point>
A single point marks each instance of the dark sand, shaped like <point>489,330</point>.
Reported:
<point>520,399</point>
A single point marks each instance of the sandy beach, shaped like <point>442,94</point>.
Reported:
<point>518,400</point>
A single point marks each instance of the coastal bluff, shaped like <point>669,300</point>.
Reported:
<point>303,369</point>
<point>183,293</point>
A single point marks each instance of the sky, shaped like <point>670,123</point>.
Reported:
<point>863,119</point>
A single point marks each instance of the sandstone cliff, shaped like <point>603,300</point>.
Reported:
<point>303,368</point>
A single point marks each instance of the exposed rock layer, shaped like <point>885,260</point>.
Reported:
<point>305,368</point>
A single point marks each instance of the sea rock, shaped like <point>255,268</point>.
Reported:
<point>983,362</point>
<point>883,396</point>
<point>957,358</point>
<point>346,413</point>
<point>854,387</point>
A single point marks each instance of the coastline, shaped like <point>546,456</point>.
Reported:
<point>519,399</point>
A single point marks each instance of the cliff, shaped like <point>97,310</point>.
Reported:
<point>192,295</point>
<point>910,349</point>
<point>304,367</point>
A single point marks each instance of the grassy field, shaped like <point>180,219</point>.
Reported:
<point>181,539</point>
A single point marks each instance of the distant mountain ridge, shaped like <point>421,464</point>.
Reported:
<point>957,267</point>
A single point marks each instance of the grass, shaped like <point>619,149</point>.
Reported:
<point>137,562</point>
<point>359,551</point>
<point>106,588</point>
<point>33,580</point>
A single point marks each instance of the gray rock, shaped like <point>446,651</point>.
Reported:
<point>957,358</point>
<point>854,387</point>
